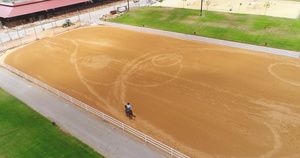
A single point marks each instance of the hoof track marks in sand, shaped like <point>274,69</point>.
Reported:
<point>286,78</point>
<point>148,65</point>
<point>80,75</point>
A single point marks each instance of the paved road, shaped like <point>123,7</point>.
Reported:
<point>106,139</point>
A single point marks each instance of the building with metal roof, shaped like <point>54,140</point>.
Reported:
<point>19,12</point>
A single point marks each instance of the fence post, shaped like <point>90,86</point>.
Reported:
<point>19,36</point>
<point>35,33</point>
<point>2,44</point>
<point>78,15</point>
<point>123,126</point>
<point>57,92</point>
<point>103,116</point>
<point>171,152</point>
<point>90,17</point>
<point>41,23</point>
<point>8,34</point>
<point>86,107</point>
<point>55,23</point>
<point>71,99</point>
<point>46,86</point>
<point>24,29</point>
<point>145,138</point>
<point>53,28</point>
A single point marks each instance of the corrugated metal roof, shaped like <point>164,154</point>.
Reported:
<point>8,10</point>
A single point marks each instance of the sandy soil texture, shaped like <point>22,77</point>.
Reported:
<point>278,8</point>
<point>203,99</point>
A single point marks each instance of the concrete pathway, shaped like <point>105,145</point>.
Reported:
<point>106,139</point>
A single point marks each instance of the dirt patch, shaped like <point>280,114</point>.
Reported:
<point>203,99</point>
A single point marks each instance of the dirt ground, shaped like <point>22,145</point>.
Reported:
<point>278,8</point>
<point>203,99</point>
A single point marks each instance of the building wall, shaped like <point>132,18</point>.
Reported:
<point>55,13</point>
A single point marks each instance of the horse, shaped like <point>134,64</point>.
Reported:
<point>129,113</point>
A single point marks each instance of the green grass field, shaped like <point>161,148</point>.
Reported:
<point>26,133</point>
<point>253,29</point>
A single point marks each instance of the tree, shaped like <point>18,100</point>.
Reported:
<point>160,1</point>
<point>240,6</point>
<point>208,2</point>
<point>267,5</point>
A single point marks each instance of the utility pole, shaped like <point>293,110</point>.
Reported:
<point>128,4</point>
<point>201,7</point>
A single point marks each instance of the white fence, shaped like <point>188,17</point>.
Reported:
<point>35,30</point>
<point>2,52</point>
<point>19,34</point>
<point>102,115</point>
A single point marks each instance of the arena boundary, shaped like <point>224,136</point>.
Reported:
<point>2,52</point>
<point>172,152</point>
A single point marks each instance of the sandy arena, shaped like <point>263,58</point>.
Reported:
<point>203,99</point>
<point>278,8</point>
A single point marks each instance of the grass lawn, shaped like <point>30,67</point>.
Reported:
<point>26,133</point>
<point>253,29</point>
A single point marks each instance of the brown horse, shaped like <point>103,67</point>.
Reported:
<point>129,113</point>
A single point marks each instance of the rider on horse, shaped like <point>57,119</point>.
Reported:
<point>127,107</point>
<point>128,111</point>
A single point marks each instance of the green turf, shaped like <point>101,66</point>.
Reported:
<point>25,133</point>
<point>253,29</point>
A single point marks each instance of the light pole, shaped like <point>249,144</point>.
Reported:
<point>201,7</point>
<point>128,4</point>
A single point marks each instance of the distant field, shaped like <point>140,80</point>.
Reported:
<point>281,33</point>
<point>25,133</point>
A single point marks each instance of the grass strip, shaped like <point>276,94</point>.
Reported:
<point>26,133</point>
